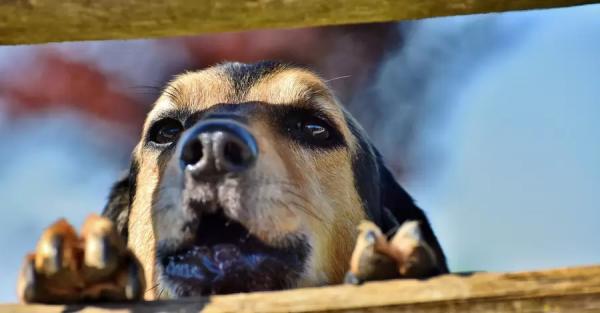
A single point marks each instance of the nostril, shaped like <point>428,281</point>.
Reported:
<point>234,154</point>
<point>192,152</point>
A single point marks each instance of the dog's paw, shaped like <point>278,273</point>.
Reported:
<point>405,255</point>
<point>67,267</point>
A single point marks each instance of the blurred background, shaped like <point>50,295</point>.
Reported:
<point>492,123</point>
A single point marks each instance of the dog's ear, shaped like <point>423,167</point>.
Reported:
<point>120,198</point>
<point>399,207</point>
<point>386,203</point>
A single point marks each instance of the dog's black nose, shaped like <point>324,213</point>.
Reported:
<point>216,147</point>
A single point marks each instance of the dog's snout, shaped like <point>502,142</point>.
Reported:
<point>217,147</point>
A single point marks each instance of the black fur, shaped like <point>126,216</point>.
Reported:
<point>245,76</point>
<point>366,176</point>
<point>120,198</point>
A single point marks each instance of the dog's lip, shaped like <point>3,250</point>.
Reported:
<point>226,258</point>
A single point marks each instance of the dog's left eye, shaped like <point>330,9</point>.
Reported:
<point>311,131</point>
<point>314,130</point>
<point>165,131</point>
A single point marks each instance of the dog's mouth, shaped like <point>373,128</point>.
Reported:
<point>226,258</point>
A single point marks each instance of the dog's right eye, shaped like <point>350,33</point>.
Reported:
<point>165,131</point>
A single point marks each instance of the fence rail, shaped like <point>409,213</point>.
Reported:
<point>560,290</point>
<point>40,21</point>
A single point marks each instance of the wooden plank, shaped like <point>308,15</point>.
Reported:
<point>39,21</point>
<point>561,290</point>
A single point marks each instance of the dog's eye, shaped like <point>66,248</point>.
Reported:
<point>165,131</point>
<point>311,131</point>
<point>314,130</point>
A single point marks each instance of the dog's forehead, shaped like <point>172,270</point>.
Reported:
<point>266,82</point>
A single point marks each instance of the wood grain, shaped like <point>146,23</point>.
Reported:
<point>561,290</point>
<point>39,21</point>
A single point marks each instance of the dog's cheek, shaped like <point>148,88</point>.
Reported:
<point>271,210</point>
<point>141,229</point>
<point>272,193</point>
<point>337,179</point>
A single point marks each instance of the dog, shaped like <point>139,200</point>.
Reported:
<point>247,177</point>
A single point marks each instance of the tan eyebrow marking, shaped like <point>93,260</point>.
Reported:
<point>296,87</point>
<point>291,85</point>
<point>300,87</point>
<point>200,90</point>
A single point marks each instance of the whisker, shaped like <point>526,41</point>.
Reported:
<point>309,211</point>
<point>337,78</point>
<point>266,181</point>
<point>297,206</point>
<point>301,197</point>
<point>146,87</point>
<point>152,288</point>
<point>147,90</point>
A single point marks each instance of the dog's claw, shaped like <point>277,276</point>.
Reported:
<point>51,261</point>
<point>70,268</point>
<point>28,281</point>
<point>134,287</point>
<point>371,237</point>
<point>351,279</point>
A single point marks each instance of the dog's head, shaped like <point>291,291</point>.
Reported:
<point>251,177</point>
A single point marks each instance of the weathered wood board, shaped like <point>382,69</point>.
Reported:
<point>39,21</point>
<point>561,290</point>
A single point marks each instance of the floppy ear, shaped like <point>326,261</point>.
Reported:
<point>386,203</point>
<point>119,200</point>
<point>399,207</point>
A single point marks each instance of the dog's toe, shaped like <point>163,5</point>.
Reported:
<point>414,257</point>
<point>369,260</point>
<point>56,251</point>
<point>103,249</point>
<point>37,287</point>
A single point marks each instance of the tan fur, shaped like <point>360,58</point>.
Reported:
<point>141,231</point>
<point>324,181</point>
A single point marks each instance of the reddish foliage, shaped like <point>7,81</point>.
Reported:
<point>54,81</point>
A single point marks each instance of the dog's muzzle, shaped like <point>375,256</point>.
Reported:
<point>223,256</point>
<point>215,147</point>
